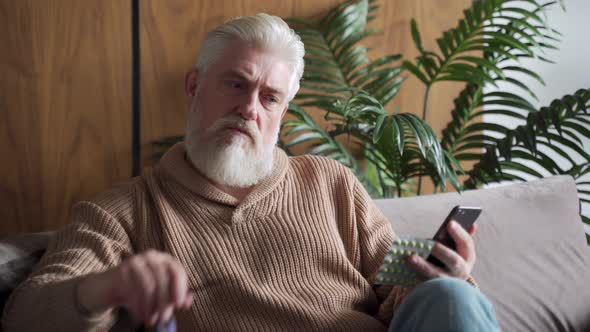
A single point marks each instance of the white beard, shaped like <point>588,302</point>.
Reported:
<point>228,164</point>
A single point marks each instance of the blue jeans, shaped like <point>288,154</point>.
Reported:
<point>445,304</point>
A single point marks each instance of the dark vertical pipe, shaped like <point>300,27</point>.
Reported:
<point>135,91</point>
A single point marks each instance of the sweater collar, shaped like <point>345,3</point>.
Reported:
<point>175,163</point>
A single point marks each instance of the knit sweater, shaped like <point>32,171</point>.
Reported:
<point>297,253</point>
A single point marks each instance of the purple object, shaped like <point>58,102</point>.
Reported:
<point>169,326</point>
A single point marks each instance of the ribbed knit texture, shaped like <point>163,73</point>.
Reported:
<point>296,254</point>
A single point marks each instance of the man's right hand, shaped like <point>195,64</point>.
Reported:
<point>150,285</point>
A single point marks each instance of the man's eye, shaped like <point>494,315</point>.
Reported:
<point>234,84</point>
<point>272,99</point>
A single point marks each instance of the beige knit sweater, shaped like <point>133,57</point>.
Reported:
<point>297,253</point>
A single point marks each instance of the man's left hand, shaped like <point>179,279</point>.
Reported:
<point>458,264</point>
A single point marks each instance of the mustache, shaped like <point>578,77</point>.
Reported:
<point>249,127</point>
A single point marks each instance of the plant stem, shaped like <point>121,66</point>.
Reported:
<point>424,111</point>
<point>384,192</point>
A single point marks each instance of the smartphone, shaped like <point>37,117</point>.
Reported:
<point>465,216</point>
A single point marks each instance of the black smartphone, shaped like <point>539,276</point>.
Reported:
<point>465,216</point>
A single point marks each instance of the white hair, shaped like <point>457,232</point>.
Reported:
<point>261,30</point>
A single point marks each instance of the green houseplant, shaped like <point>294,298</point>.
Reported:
<point>351,91</point>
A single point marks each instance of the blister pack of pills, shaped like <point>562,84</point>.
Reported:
<point>395,269</point>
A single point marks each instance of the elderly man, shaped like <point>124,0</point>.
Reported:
<point>228,233</point>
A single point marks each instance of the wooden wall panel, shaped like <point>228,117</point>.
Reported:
<point>65,86</point>
<point>173,30</point>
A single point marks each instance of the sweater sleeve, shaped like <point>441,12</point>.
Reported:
<point>374,232</point>
<point>93,242</point>
<point>375,237</point>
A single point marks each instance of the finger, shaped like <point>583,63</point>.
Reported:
<point>424,268</point>
<point>178,283</point>
<point>455,264</point>
<point>188,302</point>
<point>472,230</point>
<point>153,319</point>
<point>167,314</point>
<point>142,288</point>
<point>161,297</point>
<point>464,242</point>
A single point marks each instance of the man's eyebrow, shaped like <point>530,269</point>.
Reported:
<point>234,74</point>
<point>275,90</point>
<point>243,76</point>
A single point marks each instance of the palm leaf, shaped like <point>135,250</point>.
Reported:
<point>496,28</point>
<point>541,128</point>
<point>306,129</point>
<point>334,59</point>
<point>472,103</point>
<point>342,83</point>
<point>500,32</point>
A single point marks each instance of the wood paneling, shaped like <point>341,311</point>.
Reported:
<point>173,30</point>
<point>65,89</point>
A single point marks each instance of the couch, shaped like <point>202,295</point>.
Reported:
<point>533,260</point>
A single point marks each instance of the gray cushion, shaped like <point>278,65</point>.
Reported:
<point>533,260</point>
<point>18,255</point>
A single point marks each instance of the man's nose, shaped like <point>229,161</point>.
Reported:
<point>248,108</point>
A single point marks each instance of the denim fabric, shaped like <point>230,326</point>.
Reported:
<point>445,304</point>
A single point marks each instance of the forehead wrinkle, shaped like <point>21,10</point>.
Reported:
<point>239,62</point>
<point>247,69</point>
<point>249,75</point>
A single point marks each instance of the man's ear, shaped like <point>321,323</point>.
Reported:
<point>191,83</point>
